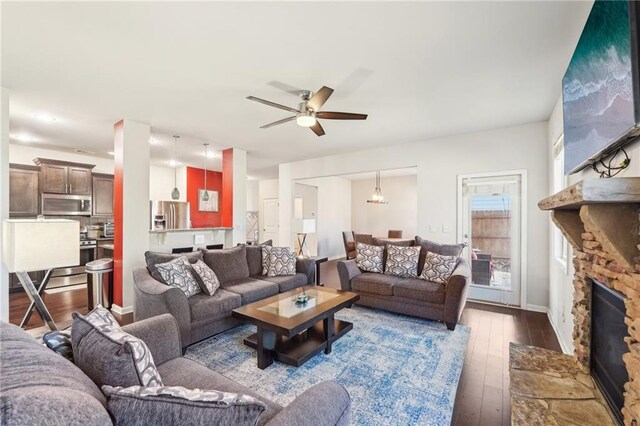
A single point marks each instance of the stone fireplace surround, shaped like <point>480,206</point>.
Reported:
<point>600,219</point>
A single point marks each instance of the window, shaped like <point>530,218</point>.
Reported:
<point>560,247</point>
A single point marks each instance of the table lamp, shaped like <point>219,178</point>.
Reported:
<point>36,245</point>
<point>308,227</point>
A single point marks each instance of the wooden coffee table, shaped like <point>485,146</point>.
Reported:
<point>293,333</point>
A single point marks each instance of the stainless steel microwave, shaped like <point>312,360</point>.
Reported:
<point>66,205</point>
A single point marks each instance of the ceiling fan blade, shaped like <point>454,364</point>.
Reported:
<point>284,87</point>
<point>273,104</point>
<point>319,98</point>
<point>275,123</point>
<point>341,115</point>
<point>317,128</point>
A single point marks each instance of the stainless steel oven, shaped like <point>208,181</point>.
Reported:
<point>66,205</point>
<point>75,275</point>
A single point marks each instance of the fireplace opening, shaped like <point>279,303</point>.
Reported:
<point>608,331</point>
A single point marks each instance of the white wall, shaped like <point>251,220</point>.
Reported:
<point>22,154</point>
<point>401,213</point>
<point>253,196</point>
<point>267,188</point>
<point>334,214</point>
<point>439,162</point>
<point>161,182</point>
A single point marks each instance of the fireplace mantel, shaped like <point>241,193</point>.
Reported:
<point>608,208</point>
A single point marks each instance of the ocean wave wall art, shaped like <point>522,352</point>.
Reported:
<point>597,89</point>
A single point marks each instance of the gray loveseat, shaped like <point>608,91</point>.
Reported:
<point>40,387</point>
<point>239,270</point>
<point>410,296</point>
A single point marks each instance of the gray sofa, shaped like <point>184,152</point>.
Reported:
<point>40,387</point>
<point>239,270</point>
<point>410,296</point>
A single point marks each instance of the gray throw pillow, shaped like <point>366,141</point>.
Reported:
<point>282,261</point>
<point>152,258</point>
<point>174,405</point>
<point>438,268</point>
<point>370,258</point>
<point>178,273</point>
<point>108,355</point>
<point>402,261</point>
<point>433,247</point>
<point>60,343</point>
<point>229,264</point>
<point>207,279</point>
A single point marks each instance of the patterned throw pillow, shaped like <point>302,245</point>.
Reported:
<point>438,268</point>
<point>402,261</point>
<point>282,261</point>
<point>266,256</point>
<point>207,279</point>
<point>370,258</point>
<point>60,343</point>
<point>103,350</point>
<point>177,273</point>
<point>174,404</point>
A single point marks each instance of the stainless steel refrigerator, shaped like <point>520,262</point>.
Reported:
<point>170,215</point>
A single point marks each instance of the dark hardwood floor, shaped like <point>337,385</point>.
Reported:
<point>483,390</point>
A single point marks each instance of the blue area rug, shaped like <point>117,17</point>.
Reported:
<point>399,370</point>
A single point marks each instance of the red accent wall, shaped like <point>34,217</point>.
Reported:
<point>118,146</point>
<point>226,199</point>
<point>195,181</point>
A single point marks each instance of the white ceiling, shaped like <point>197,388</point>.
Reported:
<point>419,69</point>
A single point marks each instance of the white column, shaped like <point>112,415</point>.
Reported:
<point>133,163</point>
<point>4,198</point>
<point>239,196</point>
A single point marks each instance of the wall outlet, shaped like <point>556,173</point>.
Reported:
<point>445,228</point>
<point>198,239</point>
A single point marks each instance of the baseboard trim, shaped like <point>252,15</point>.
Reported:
<point>537,308</point>
<point>120,310</point>
<point>567,349</point>
<point>336,257</point>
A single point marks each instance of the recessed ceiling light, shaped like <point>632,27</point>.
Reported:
<point>111,153</point>
<point>173,163</point>
<point>46,118</point>
<point>23,137</point>
<point>153,141</point>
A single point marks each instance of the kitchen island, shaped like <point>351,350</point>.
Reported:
<point>164,240</point>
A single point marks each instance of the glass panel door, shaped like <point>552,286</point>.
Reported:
<point>491,227</point>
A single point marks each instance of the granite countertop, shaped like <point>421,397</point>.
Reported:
<point>164,231</point>
<point>104,239</point>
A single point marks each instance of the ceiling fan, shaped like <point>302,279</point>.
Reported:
<point>308,110</point>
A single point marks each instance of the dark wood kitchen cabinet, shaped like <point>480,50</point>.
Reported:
<point>23,190</point>
<point>62,177</point>
<point>102,194</point>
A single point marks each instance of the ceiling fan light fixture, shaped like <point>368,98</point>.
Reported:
<point>305,119</point>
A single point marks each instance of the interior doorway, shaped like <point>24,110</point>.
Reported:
<point>492,223</point>
<point>270,220</point>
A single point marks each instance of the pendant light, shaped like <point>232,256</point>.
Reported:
<point>175,194</point>
<point>377,197</point>
<point>205,194</point>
